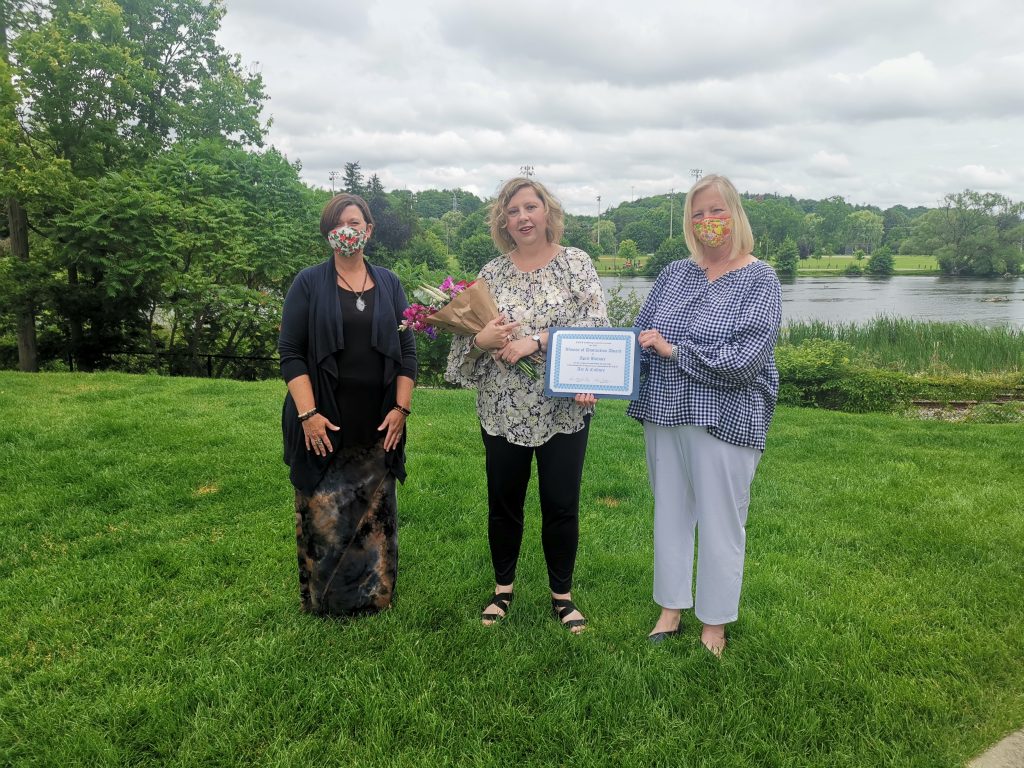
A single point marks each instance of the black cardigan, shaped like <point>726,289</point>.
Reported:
<point>312,331</point>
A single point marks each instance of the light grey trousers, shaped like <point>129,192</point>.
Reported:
<point>702,484</point>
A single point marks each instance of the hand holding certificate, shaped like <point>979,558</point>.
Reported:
<point>600,361</point>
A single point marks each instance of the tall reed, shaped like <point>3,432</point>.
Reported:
<point>915,346</point>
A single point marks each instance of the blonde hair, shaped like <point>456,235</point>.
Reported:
<point>742,236</point>
<point>554,214</point>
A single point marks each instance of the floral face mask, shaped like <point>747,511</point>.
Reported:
<point>346,241</point>
<point>713,232</point>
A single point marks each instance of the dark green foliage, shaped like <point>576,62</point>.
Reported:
<point>831,374</point>
<point>476,251</point>
<point>882,262</point>
<point>670,250</point>
<point>788,259</point>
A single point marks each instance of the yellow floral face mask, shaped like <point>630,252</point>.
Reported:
<point>713,232</point>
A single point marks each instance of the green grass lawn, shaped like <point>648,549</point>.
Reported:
<point>150,617</point>
<point>904,265</point>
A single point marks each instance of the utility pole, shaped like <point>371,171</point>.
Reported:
<point>696,173</point>
<point>526,170</point>
<point>598,219</point>
<point>332,175</point>
<point>671,205</point>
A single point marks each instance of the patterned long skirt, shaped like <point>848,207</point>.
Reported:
<point>347,536</point>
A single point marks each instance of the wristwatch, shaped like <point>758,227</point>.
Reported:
<point>536,337</point>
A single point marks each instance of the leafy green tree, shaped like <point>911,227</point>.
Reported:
<point>808,235</point>
<point>863,231</point>
<point>628,254</point>
<point>426,248</point>
<point>602,237</point>
<point>881,262</point>
<point>476,251</point>
<point>671,249</point>
<point>95,87</point>
<point>788,259</point>
<point>978,232</point>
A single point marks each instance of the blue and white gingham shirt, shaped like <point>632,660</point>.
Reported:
<point>725,331</point>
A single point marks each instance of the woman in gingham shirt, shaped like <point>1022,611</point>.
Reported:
<point>708,331</point>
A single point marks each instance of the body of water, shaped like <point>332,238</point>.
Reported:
<point>986,301</point>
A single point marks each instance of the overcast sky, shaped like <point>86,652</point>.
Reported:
<point>879,101</point>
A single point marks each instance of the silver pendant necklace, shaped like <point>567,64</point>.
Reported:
<point>360,304</point>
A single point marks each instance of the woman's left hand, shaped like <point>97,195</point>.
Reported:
<point>394,423</point>
<point>652,339</point>
<point>516,350</point>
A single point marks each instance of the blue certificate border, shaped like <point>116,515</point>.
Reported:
<point>627,389</point>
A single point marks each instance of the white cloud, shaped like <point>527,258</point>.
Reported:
<point>879,102</point>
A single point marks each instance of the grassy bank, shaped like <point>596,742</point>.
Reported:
<point>150,607</point>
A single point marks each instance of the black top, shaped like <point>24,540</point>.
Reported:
<point>313,329</point>
<point>360,388</point>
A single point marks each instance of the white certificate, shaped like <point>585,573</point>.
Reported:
<point>598,361</point>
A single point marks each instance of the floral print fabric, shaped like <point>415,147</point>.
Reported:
<point>565,292</point>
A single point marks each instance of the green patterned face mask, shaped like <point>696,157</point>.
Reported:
<point>713,232</point>
<point>346,241</point>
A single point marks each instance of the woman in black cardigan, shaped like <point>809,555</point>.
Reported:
<point>350,376</point>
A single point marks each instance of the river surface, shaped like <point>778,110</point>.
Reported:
<point>984,301</point>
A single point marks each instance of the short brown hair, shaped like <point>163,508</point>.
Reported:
<point>337,204</point>
<point>552,208</point>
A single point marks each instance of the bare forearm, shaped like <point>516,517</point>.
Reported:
<point>301,390</point>
<point>403,395</point>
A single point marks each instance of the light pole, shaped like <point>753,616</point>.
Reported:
<point>599,220</point>
<point>332,175</point>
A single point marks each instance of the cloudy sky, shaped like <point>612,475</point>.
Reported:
<point>879,101</point>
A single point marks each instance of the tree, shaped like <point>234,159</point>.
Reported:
<point>476,251</point>
<point>978,234</point>
<point>602,237</point>
<point>95,87</point>
<point>629,254</point>
<point>671,249</point>
<point>863,230</point>
<point>788,259</point>
<point>353,179</point>
<point>881,262</point>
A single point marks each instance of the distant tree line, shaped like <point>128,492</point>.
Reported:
<point>144,220</point>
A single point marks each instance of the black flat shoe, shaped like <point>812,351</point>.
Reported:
<point>657,638</point>
<point>501,601</point>
<point>560,608</point>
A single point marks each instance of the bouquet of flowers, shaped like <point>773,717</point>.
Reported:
<point>459,307</point>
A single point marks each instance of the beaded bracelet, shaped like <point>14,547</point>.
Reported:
<point>401,410</point>
<point>306,415</point>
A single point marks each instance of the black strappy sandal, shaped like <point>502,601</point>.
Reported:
<point>501,601</point>
<point>562,607</point>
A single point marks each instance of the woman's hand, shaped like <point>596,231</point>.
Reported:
<point>496,334</point>
<point>516,350</point>
<point>315,430</point>
<point>652,339</point>
<point>394,423</point>
<point>586,399</point>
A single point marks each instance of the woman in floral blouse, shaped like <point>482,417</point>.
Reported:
<point>537,284</point>
<point>708,328</point>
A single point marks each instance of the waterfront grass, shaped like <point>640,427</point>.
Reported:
<point>903,264</point>
<point>150,608</point>
<point>914,346</point>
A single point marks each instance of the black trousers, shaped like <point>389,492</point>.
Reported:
<point>559,474</point>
